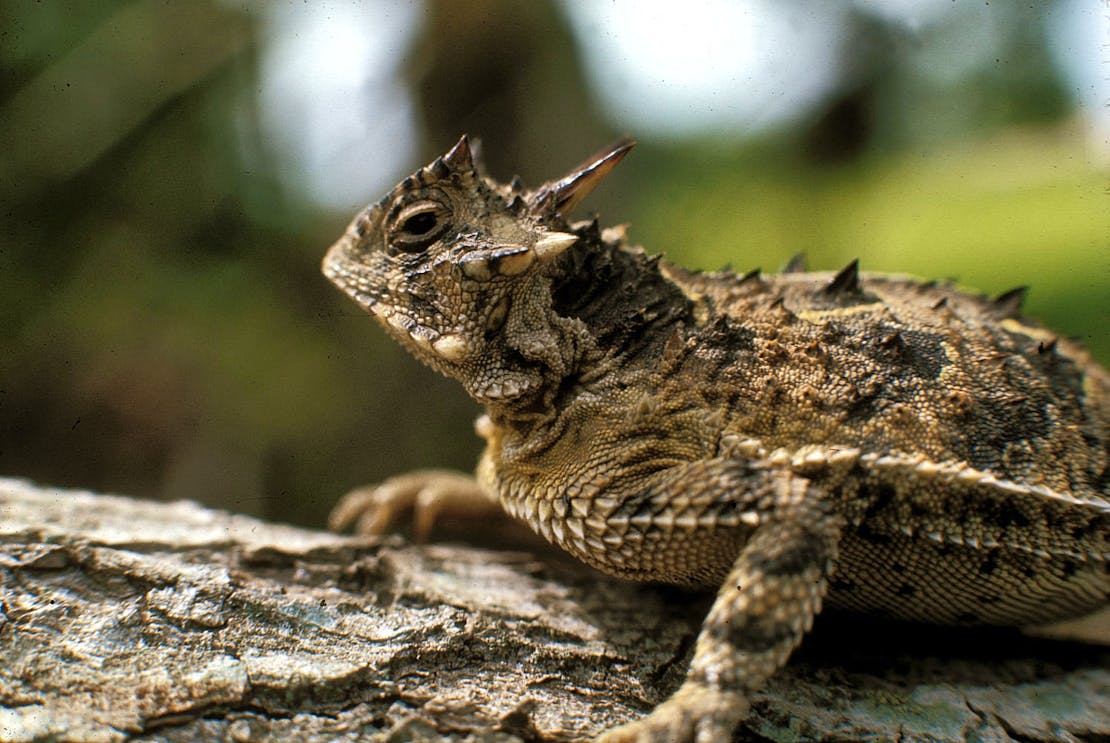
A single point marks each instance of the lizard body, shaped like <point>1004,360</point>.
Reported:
<point>874,442</point>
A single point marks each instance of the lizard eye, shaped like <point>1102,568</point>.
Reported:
<point>418,226</point>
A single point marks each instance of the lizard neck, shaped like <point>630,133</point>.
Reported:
<point>627,304</point>
<point>613,310</point>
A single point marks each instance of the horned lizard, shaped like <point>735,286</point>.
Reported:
<point>875,442</point>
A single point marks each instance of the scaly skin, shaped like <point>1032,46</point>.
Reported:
<point>891,446</point>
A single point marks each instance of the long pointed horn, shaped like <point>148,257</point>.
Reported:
<point>564,194</point>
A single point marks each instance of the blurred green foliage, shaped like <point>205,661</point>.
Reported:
<point>1023,208</point>
<point>164,328</point>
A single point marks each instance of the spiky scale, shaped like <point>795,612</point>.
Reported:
<point>459,158</point>
<point>798,263</point>
<point>893,340</point>
<point>846,280</point>
<point>439,169</point>
<point>1008,304</point>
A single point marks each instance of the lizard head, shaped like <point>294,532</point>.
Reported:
<point>458,268</point>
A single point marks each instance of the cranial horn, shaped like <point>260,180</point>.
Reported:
<point>563,195</point>
<point>552,244</point>
<point>460,158</point>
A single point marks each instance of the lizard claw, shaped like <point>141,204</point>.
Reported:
<point>694,714</point>
<point>426,493</point>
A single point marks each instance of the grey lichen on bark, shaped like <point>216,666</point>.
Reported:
<point>123,619</point>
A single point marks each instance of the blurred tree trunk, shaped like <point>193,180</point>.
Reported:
<point>125,619</point>
<point>489,69</point>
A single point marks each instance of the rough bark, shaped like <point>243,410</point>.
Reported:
<point>124,619</point>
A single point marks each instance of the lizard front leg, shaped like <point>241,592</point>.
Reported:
<point>762,610</point>
<point>427,494</point>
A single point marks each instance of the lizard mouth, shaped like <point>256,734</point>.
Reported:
<point>446,346</point>
<point>358,287</point>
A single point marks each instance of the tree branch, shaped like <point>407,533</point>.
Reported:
<point>123,619</point>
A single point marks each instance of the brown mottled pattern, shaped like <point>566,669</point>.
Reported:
<point>884,444</point>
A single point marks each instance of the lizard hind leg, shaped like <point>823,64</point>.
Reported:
<point>762,610</point>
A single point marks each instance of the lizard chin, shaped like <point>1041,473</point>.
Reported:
<point>491,370</point>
